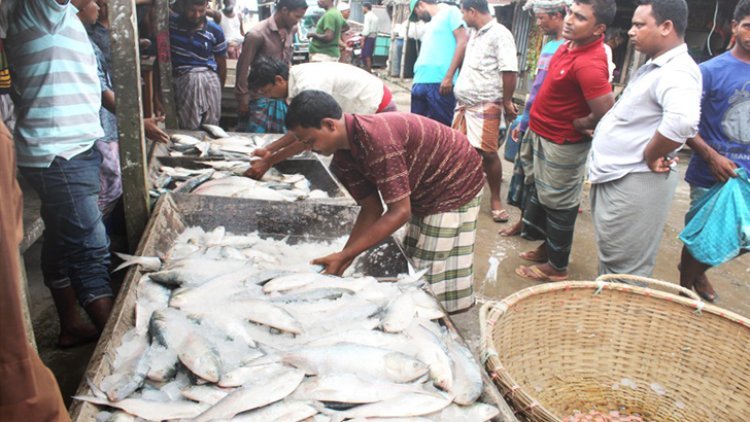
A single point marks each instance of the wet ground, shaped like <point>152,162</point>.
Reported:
<point>731,280</point>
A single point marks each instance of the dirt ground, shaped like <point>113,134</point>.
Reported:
<point>732,280</point>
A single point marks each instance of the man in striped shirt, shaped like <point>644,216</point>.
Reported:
<point>199,64</point>
<point>426,173</point>
<point>55,75</point>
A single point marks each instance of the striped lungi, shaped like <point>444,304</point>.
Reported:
<point>521,186</point>
<point>444,244</point>
<point>197,98</point>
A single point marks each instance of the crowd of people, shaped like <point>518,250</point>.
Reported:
<point>425,169</point>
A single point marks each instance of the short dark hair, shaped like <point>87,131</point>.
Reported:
<point>186,3</point>
<point>367,6</point>
<point>291,4</point>
<point>264,71</point>
<point>478,5</point>
<point>562,11</point>
<point>604,10</point>
<point>669,10</point>
<point>309,108</point>
<point>742,10</point>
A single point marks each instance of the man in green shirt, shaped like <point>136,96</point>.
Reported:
<point>324,44</point>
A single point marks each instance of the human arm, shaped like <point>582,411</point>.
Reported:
<point>221,68</point>
<point>371,228</point>
<point>657,153</point>
<point>462,38</point>
<point>250,46</point>
<point>216,15</point>
<point>153,131</point>
<point>509,86</point>
<point>721,167</point>
<point>679,95</point>
<point>599,107</point>
<point>325,37</point>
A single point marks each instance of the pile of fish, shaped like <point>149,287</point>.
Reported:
<point>223,145</point>
<point>224,178</point>
<point>241,328</point>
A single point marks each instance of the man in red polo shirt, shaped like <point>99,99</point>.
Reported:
<point>573,97</point>
<point>427,174</point>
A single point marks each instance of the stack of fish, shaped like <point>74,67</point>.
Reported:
<point>222,146</point>
<point>223,178</point>
<point>232,327</point>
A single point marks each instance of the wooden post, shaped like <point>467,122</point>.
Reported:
<point>165,63</point>
<point>126,76</point>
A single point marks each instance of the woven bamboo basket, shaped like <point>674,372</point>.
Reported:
<point>561,348</point>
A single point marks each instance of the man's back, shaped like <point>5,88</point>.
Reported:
<point>356,90</point>
<point>402,154</point>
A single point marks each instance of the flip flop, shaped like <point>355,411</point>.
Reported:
<point>500,216</point>
<point>535,274</point>
<point>533,257</point>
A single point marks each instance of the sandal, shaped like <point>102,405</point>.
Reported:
<point>500,216</point>
<point>535,274</point>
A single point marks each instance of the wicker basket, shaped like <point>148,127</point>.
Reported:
<point>558,348</point>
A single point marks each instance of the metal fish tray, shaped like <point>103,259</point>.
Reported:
<point>298,221</point>
<point>313,169</point>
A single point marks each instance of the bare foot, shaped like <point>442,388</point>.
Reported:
<point>513,230</point>
<point>77,336</point>
<point>704,288</point>
<point>537,255</point>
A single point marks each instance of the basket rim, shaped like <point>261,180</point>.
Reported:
<point>493,311</point>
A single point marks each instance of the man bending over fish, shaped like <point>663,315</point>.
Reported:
<point>356,91</point>
<point>426,173</point>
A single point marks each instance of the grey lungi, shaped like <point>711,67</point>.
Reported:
<point>197,98</point>
<point>629,215</point>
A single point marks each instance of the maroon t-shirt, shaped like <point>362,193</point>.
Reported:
<point>574,76</point>
<point>405,155</point>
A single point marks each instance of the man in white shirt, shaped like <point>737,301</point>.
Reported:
<point>355,90</point>
<point>632,170</point>
<point>370,34</point>
<point>484,92</point>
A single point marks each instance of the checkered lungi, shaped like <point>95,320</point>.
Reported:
<point>444,243</point>
<point>480,123</point>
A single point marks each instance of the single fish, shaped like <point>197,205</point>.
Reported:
<point>365,361</point>
<point>183,139</point>
<point>200,358</point>
<point>294,281</point>
<point>147,263</point>
<point>467,378</point>
<point>215,131</point>
<point>149,297</point>
<point>399,314</point>
<point>151,410</point>
<point>253,396</point>
<point>281,411</point>
<point>251,374</point>
<point>349,388</point>
<point>162,364</point>
<point>433,352</point>
<point>402,406</point>
<point>268,314</point>
<point>477,412</point>
<point>205,393</point>
<point>193,182</point>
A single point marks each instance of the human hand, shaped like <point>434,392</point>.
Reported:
<point>721,167</point>
<point>310,35</point>
<point>446,86</point>
<point>511,112</point>
<point>257,169</point>
<point>243,109</point>
<point>262,153</point>
<point>153,131</point>
<point>662,164</point>
<point>335,264</point>
<point>515,134</point>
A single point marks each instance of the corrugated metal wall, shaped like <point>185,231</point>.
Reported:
<point>521,28</point>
